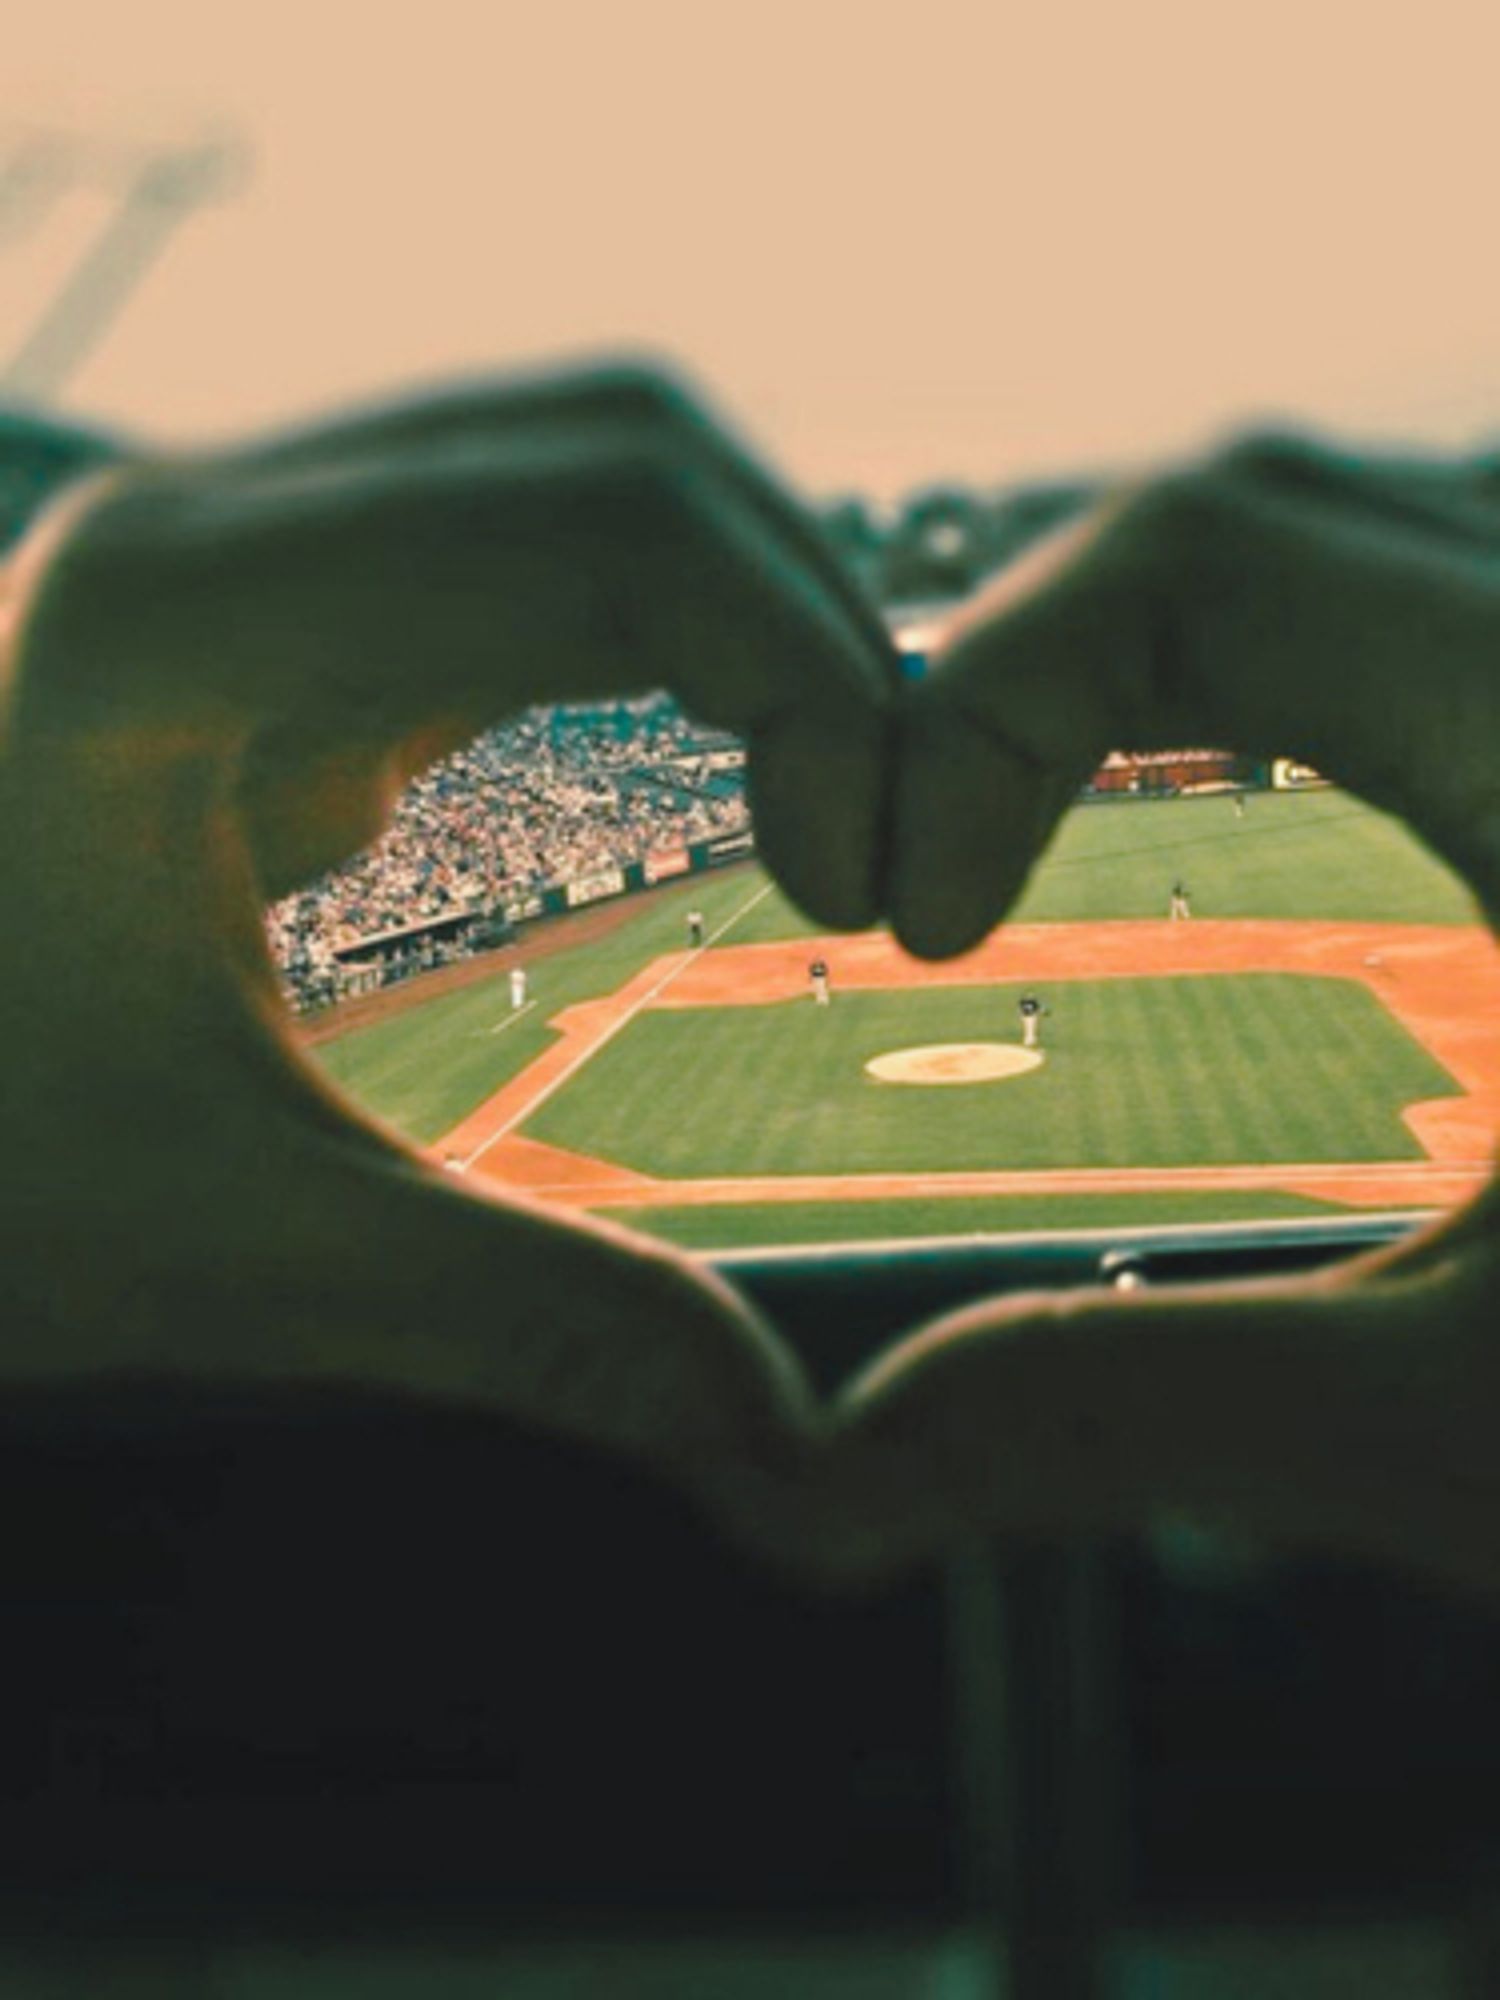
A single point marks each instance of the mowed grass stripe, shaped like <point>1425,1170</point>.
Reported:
<point>1201,1024</point>
<point>738,1225</point>
<point>426,1068</point>
<point>1263,1028</point>
<point>1138,1073</point>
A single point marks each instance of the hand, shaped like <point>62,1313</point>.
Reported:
<point>1276,600</point>
<point>222,669</point>
<point>345,603</point>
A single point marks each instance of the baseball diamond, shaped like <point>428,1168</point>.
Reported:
<point>1250,1067</point>
<point>1432,1134</point>
<point>1212,1070</point>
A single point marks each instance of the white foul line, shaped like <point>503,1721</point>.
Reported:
<point>509,1020</point>
<point>566,1074</point>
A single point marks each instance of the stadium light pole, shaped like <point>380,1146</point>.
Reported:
<point>160,192</point>
<point>37,169</point>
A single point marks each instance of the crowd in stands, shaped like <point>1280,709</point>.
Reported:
<point>552,798</point>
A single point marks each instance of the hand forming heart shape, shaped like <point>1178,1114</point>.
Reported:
<point>223,668</point>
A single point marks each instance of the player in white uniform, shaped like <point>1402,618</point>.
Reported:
<point>517,988</point>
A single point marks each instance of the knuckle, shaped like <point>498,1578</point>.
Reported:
<point>1211,505</point>
<point>648,491</point>
<point>1271,458</point>
<point>645,392</point>
<point>1188,517</point>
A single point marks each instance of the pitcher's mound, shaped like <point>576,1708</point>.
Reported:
<point>954,1062</point>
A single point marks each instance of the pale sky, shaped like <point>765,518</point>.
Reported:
<point>987,241</point>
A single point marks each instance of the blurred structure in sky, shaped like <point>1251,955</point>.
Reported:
<point>119,204</point>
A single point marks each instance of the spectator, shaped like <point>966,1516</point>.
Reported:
<point>544,800</point>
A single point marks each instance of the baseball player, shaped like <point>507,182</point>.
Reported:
<point>1179,905</point>
<point>817,972</point>
<point>517,988</point>
<point>1031,1011</point>
<point>695,930</point>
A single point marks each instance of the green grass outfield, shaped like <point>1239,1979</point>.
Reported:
<point>427,1067</point>
<point>1213,1070</point>
<point>739,1225</point>
<point>1312,855</point>
<point>1318,854</point>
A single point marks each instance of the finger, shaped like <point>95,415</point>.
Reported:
<point>333,614</point>
<point>475,570</point>
<point>316,614</point>
<point>1354,620</point>
<point>965,834</point>
<point>1278,600</point>
<point>1449,501</point>
<point>309,798</point>
<point>1294,601</point>
<point>817,784</point>
<point>459,572</point>
<point>654,399</point>
<point>996,740</point>
<point>766,653</point>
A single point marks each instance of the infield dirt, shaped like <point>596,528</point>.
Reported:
<point>1441,983</point>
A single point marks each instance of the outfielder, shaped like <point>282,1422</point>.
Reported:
<point>817,972</point>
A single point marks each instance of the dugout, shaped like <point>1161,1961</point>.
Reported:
<point>414,947</point>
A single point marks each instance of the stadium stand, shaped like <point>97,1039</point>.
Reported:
<point>530,812</point>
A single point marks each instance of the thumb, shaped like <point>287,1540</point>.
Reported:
<point>1353,1413</point>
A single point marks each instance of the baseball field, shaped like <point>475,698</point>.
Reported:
<point>1323,1033</point>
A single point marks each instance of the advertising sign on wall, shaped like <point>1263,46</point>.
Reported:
<point>1287,775</point>
<point>728,845</point>
<point>665,863</point>
<point>595,887</point>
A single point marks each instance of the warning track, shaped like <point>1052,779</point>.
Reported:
<point>1441,982</point>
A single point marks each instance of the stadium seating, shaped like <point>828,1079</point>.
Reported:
<point>535,807</point>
